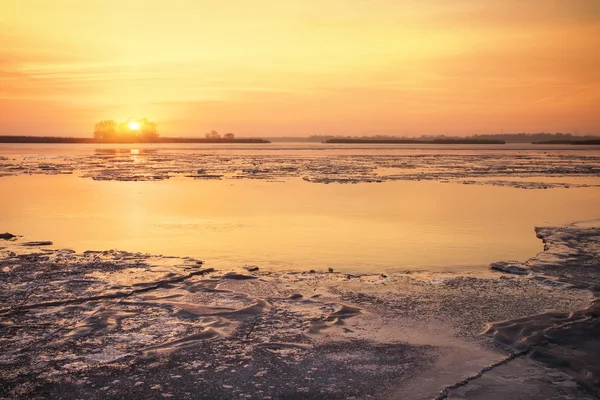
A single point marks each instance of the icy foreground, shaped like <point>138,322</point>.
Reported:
<point>130,325</point>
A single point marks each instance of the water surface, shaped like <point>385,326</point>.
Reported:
<point>293,225</point>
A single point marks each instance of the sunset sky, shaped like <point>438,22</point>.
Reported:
<point>284,68</point>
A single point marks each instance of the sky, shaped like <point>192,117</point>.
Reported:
<point>297,68</point>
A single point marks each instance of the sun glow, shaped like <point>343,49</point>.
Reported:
<point>454,69</point>
<point>133,125</point>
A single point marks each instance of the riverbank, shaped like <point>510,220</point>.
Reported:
<point>120,324</point>
<point>414,141</point>
<point>161,140</point>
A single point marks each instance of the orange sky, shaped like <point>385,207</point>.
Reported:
<point>275,68</point>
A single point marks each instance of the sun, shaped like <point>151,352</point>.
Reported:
<point>133,125</point>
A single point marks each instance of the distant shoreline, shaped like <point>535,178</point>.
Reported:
<point>415,141</point>
<point>73,140</point>
<point>439,141</point>
<point>591,141</point>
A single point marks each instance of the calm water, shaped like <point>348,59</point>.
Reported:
<point>292,224</point>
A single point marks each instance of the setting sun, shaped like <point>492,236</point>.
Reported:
<point>133,125</point>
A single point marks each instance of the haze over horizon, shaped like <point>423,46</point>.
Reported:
<point>267,68</point>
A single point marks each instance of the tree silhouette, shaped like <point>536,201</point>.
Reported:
<point>105,130</point>
<point>148,130</point>
<point>229,136</point>
<point>213,135</point>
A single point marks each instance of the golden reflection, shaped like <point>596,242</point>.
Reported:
<point>137,158</point>
<point>293,225</point>
<point>125,150</point>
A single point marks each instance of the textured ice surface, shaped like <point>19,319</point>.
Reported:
<point>121,324</point>
<point>484,168</point>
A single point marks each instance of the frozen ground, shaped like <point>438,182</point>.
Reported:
<point>129,325</point>
<point>528,170</point>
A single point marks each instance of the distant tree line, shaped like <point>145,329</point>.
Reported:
<point>506,137</point>
<point>535,137</point>
<point>379,140</point>
<point>214,135</point>
<point>141,130</point>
